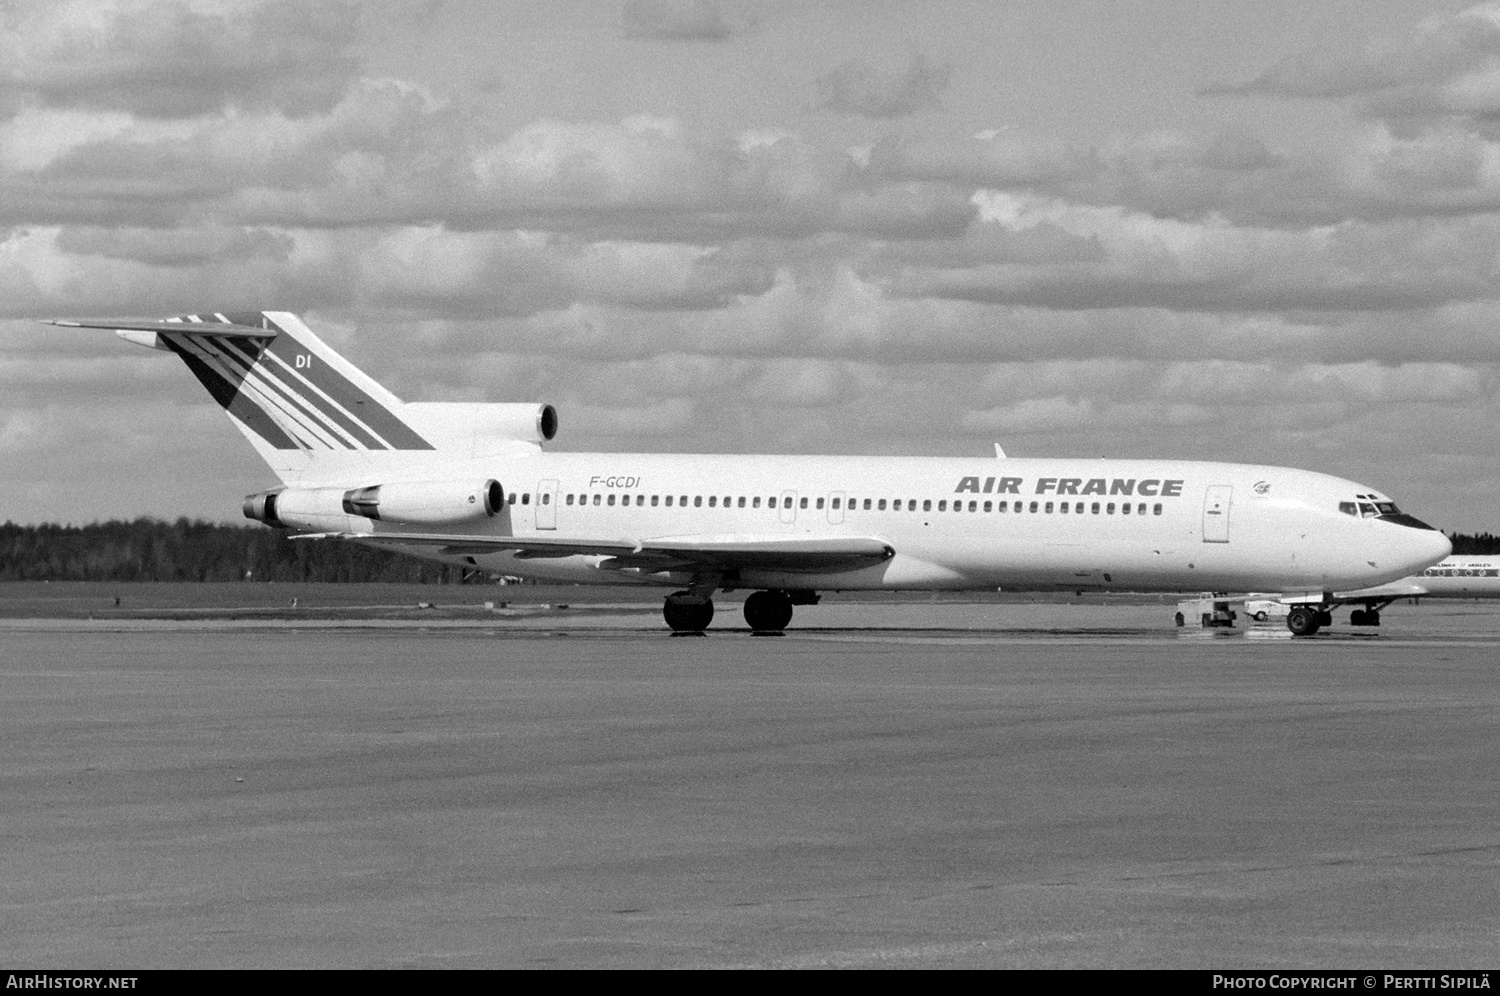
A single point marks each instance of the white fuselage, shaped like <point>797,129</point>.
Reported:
<point>961,523</point>
<point>1466,576</point>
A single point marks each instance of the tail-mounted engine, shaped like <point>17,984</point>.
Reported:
<point>425,502</point>
<point>410,502</point>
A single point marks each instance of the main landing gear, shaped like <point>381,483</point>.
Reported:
<point>765,611</point>
<point>768,611</point>
<point>1305,620</point>
<point>688,613</point>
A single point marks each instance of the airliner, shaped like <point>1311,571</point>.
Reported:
<point>1467,576</point>
<point>472,484</point>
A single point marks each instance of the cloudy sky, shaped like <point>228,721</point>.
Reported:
<point>1254,230</point>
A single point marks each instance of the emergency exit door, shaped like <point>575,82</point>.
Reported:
<point>1216,513</point>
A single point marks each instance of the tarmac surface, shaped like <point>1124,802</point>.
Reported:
<point>891,784</point>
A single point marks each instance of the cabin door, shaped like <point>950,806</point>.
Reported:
<point>1216,513</point>
<point>546,505</point>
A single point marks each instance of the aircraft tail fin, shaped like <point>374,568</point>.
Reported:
<point>294,397</point>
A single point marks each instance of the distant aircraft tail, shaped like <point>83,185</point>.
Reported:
<point>309,412</point>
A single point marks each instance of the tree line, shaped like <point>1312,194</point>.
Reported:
<point>152,550</point>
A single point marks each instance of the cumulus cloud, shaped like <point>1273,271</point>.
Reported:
<point>170,58</point>
<point>1449,67</point>
<point>684,20</point>
<point>858,88</point>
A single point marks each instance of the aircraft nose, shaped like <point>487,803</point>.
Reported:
<point>1427,547</point>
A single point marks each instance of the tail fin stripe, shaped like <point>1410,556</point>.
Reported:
<point>339,390</point>
<point>347,433</point>
<point>276,371</point>
<point>252,386</point>
<point>231,400</point>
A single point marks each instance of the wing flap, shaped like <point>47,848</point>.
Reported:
<point>799,554</point>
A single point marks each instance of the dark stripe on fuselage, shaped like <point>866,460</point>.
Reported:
<point>229,396</point>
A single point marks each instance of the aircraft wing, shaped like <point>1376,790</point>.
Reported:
<point>146,325</point>
<point>798,554</point>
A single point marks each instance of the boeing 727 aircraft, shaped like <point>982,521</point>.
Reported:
<point>471,484</point>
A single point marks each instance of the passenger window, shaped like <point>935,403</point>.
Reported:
<point>640,499</point>
<point>682,501</point>
<point>755,502</point>
<point>1125,508</point>
<point>820,503</point>
<point>1049,508</point>
<point>742,501</point>
<point>1155,509</point>
<point>712,501</point>
<point>1003,507</point>
<point>867,504</point>
<point>987,506</point>
<point>895,504</point>
<point>802,503</point>
<point>547,498</point>
<point>654,500</point>
<point>610,500</point>
<point>835,503</point>
<point>526,498</point>
<point>770,503</point>
<point>1033,507</point>
<point>624,499</point>
<point>697,501</point>
<point>1063,508</point>
<point>882,505</point>
<point>973,506</point>
<point>570,499</point>
<point>669,501</point>
<point>512,497</point>
<point>1095,508</point>
<point>1109,509</point>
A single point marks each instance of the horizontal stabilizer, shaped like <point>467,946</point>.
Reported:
<point>767,553</point>
<point>227,329</point>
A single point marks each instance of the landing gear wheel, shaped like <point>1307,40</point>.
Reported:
<point>684,614</point>
<point>1304,621</point>
<point>768,611</point>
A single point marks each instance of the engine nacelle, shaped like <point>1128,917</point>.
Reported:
<point>312,509</point>
<point>425,502</point>
<point>477,429</point>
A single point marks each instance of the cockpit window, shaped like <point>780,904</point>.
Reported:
<point>1349,508</point>
<point>1367,510</point>
<point>1387,508</point>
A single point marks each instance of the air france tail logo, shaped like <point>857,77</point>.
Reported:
<point>284,397</point>
<point>1151,487</point>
